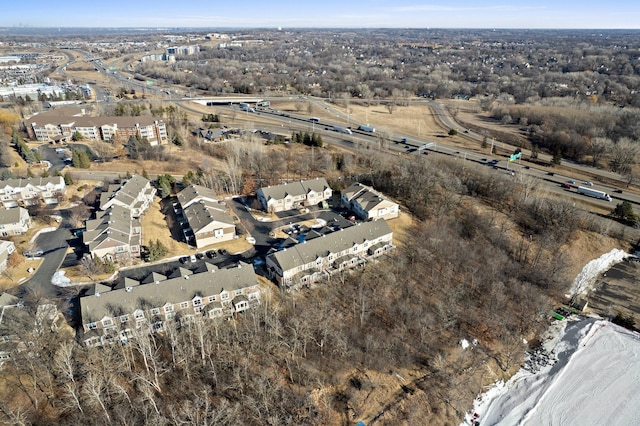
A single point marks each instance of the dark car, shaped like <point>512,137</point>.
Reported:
<point>618,191</point>
<point>199,256</point>
<point>211,254</point>
<point>223,252</point>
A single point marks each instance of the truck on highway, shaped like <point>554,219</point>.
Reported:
<point>594,193</point>
<point>366,128</point>
<point>342,130</point>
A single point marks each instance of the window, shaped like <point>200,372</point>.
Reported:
<point>212,299</point>
<point>184,305</point>
<point>92,325</point>
<point>138,315</point>
<point>124,318</point>
<point>139,323</point>
<point>224,296</point>
<point>253,296</point>
<point>107,322</point>
<point>155,311</point>
<point>198,309</point>
<point>218,233</point>
<point>170,316</point>
<point>238,292</point>
<point>197,302</point>
<point>168,308</point>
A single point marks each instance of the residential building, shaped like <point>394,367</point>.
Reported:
<point>293,195</point>
<point>149,305</point>
<point>320,257</point>
<point>63,122</point>
<point>369,204</point>
<point>195,194</point>
<point>135,194</point>
<point>114,235</point>
<point>14,221</point>
<point>6,248</point>
<point>207,217</point>
<point>31,191</point>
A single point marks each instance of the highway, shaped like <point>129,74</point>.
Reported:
<point>285,123</point>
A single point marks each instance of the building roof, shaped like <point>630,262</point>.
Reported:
<point>8,216</point>
<point>195,193</point>
<point>309,251</point>
<point>170,290</point>
<point>61,114</point>
<point>113,224</point>
<point>34,181</point>
<point>126,193</point>
<point>202,214</point>
<point>367,197</point>
<point>294,189</point>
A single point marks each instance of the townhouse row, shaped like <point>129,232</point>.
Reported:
<point>150,305</point>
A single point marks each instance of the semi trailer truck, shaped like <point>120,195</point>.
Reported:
<point>594,193</point>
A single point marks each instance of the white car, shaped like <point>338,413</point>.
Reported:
<point>588,183</point>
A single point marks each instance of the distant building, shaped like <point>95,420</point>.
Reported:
<point>63,122</point>
<point>294,195</point>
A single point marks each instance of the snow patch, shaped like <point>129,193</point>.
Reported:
<point>587,277</point>
<point>60,279</point>
<point>464,343</point>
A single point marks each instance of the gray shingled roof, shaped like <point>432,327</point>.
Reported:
<point>294,189</point>
<point>125,193</point>
<point>367,197</point>
<point>303,253</point>
<point>171,290</point>
<point>35,181</point>
<point>9,216</point>
<point>114,223</point>
<point>201,214</point>
<point>194,193</point>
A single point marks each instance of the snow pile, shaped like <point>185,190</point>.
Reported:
<point>60,279</point>
<point>590,376</point>
<point>587,277</point>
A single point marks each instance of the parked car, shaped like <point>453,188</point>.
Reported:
<point>223,252</point>
<point>211,254</point>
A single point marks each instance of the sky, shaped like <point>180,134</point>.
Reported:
<point>613,14</point>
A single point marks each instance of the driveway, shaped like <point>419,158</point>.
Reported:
<point>54,244</point>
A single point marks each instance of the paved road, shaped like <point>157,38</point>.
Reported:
<point>54,244</point>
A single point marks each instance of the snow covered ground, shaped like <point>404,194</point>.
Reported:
<point>586,373</point>
<point>592,378</point>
